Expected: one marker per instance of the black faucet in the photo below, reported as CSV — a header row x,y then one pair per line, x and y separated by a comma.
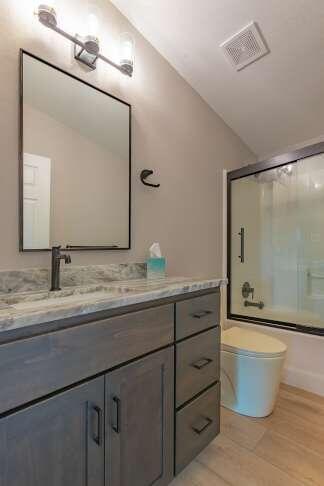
x,y
56,262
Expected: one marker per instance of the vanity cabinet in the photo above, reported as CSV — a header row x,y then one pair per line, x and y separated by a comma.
x,y
114,401
56,442
139,422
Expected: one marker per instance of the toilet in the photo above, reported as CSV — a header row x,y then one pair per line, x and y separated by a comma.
x,y
251,365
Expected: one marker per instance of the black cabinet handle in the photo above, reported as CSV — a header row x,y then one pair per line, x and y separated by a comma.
x,y
116,419
199,315
201,363
199,429
97,426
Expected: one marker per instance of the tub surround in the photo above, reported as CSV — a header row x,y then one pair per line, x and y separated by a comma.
x,y
21,312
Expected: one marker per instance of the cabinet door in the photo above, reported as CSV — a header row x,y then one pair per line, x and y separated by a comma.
x,y
139,425
57,442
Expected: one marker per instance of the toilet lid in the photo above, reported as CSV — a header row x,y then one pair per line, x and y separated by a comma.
x,y
251,343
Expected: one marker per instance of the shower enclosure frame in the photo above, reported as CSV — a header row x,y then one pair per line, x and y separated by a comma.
x,y
252,169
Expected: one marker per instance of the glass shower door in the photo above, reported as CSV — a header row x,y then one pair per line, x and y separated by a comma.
x,y
264,224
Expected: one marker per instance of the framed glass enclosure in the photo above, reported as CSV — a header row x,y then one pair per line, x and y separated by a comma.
x,y
276,241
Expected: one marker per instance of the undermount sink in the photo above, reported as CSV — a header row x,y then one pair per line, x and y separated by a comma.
x,y
43,299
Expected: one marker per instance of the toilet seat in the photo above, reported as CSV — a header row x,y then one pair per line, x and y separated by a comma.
x,y
251,343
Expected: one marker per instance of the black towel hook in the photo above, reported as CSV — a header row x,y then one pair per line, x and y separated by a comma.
x,y
144,175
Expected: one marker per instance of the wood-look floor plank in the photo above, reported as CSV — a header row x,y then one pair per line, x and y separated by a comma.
x,y
302,393
297,429
197,474
241,467
302,407
296,460
241,429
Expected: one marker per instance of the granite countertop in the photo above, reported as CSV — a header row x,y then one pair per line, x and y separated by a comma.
x,y
27,309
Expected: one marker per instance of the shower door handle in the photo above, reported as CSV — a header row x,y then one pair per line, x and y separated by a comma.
x,y
242,238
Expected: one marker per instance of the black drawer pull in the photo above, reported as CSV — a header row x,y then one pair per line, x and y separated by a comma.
x,y
199,429
199,315
201,363
116,420
97,427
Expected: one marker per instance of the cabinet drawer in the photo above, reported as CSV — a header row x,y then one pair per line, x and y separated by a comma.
x,y
194,315
197,424
197,364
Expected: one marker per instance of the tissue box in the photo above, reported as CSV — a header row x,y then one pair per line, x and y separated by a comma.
x,y
156,268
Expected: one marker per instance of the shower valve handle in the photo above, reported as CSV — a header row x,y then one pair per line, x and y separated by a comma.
x,y
247,290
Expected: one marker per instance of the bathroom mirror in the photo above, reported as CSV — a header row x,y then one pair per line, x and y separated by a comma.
x,y
75,162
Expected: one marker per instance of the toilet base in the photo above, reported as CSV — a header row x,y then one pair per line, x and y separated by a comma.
x,y
249,385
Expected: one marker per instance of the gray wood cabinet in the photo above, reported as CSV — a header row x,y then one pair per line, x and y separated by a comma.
x,y
139,422
57,442
121,425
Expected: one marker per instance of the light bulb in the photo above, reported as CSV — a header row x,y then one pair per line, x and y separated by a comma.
x,y
127,53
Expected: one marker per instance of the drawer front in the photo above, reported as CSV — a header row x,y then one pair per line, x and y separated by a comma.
x,y
198,361
194,315
35,367
197,425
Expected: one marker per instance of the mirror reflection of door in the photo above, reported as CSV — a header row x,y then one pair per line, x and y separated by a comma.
x,y
37,201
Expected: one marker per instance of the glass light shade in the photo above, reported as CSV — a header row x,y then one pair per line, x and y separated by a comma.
x,y
47,13
127,53
93,25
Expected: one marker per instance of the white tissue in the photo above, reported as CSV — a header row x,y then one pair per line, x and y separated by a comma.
x,y
155,250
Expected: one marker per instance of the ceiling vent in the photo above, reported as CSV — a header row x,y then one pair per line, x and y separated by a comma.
x,y
245,47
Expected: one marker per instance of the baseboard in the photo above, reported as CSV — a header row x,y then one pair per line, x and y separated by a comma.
x,y
313,382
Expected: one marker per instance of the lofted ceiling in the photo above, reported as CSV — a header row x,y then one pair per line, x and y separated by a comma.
x,y
275,102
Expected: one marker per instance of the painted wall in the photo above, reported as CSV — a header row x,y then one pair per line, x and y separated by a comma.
x,y
174,132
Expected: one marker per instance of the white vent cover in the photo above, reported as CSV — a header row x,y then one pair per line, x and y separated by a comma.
x,y
245,47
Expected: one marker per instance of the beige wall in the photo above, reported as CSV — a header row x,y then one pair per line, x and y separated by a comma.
x,y
174,132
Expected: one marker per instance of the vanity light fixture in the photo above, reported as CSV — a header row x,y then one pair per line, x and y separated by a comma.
x,y
87,48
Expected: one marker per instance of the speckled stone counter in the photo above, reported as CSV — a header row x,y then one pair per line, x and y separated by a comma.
x,y
25,310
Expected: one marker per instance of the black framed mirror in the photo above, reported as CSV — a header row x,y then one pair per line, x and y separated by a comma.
x,y
75,162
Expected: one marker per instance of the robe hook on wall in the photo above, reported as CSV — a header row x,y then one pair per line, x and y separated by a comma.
x,y
144,175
